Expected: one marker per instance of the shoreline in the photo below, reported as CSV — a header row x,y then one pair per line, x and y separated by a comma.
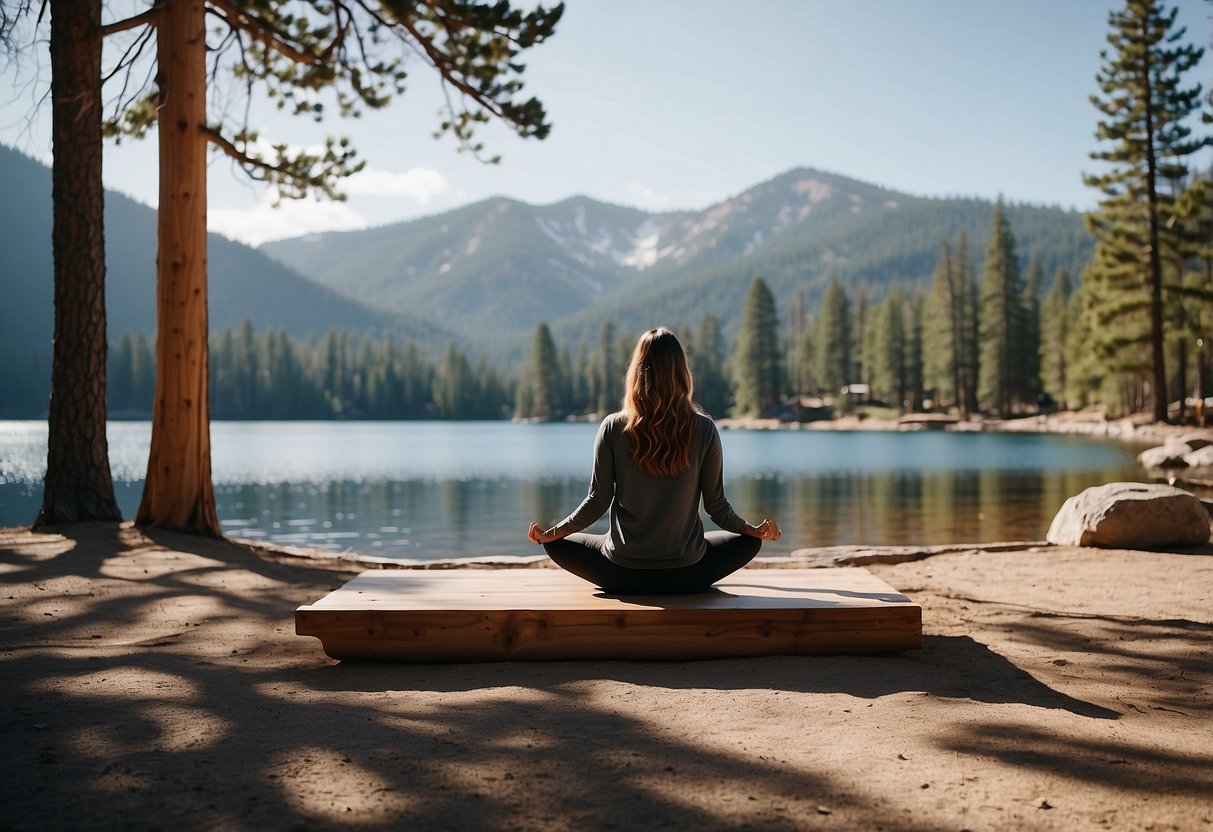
x,y
819,557
1137,429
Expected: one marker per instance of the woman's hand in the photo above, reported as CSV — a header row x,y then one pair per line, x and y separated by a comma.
x,y
538,535
766,530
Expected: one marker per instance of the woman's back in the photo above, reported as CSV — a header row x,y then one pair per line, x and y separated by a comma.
x,y
653,461
655,519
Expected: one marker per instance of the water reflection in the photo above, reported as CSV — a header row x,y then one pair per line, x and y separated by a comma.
x,y
423,519
458,518
437,490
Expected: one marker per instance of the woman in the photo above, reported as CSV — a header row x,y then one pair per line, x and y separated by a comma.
x,y
653,461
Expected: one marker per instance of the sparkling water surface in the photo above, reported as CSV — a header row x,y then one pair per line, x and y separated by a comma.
x,y
431,490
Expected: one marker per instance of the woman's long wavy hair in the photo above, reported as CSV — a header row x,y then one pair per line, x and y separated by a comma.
x,y
660,415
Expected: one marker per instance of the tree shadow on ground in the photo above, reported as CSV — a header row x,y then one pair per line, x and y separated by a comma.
x,y
1117,763
227,720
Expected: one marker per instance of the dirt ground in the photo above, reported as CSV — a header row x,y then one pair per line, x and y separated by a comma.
x,y
155,682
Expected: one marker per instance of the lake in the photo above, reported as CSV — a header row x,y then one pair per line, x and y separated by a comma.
x,y
431,490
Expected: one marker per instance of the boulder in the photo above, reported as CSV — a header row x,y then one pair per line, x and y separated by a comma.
x,y
1200,458
1164,456
1131,515
1196,440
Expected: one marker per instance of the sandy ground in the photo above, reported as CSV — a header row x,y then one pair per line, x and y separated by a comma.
x,y
156,682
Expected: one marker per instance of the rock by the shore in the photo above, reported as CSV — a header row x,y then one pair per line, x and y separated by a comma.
x,y
1202,457
1170,455
1196,440
1131,515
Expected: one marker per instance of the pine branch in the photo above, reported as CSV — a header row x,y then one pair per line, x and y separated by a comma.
x,y
294,177
144,19
263,31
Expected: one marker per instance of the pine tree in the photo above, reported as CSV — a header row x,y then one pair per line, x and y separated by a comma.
x,y
941,332
1026,361
1146,142
417,379
757,356
1054,328
808,360
143,374
121,369
950,336
797,319
1001,317
608,377
539,390
1085,371
1190,303
888,370
492,401
247,370
862,338
913,361
970,333
1195,210
707,367
455,387
78,485
833,339
335,366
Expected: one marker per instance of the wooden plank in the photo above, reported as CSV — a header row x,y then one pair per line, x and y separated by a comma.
x,y
493,615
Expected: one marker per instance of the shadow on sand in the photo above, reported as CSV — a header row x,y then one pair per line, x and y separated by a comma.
x,y
131,709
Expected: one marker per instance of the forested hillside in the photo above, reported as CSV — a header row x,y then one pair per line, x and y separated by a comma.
x,y
244,283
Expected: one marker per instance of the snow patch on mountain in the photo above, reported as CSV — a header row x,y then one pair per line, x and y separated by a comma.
x,y
644,249
551,230
755,241
632,248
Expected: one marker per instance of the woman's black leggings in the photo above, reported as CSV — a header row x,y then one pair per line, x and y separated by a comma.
x,y
582,554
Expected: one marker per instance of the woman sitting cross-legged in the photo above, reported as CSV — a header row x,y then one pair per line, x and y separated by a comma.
x,y
653,463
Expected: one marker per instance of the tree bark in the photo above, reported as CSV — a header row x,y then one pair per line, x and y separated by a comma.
x,y
78,485
178,493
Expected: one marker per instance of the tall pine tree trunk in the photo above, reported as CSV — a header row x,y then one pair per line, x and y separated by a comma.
x,y
78,484
178,493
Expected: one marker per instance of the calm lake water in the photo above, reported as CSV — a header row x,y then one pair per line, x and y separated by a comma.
x,y
430,490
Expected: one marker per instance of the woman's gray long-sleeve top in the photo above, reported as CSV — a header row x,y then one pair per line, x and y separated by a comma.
x,y
654,520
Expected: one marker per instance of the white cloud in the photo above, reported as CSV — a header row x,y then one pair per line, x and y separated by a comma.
x,y
293,218
419,184
646,197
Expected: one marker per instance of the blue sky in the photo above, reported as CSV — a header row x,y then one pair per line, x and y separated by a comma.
x,y
676,104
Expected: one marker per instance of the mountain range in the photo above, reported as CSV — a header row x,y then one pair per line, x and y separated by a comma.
x,y
486,274
493,270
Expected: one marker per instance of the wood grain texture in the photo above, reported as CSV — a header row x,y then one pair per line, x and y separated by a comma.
x,y
497,614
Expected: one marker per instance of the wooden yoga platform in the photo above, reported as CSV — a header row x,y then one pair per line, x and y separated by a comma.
x,y
536,614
